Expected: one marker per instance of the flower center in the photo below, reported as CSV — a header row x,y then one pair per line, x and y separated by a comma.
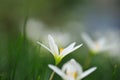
x,y
72,74
61,49
75,74
97,45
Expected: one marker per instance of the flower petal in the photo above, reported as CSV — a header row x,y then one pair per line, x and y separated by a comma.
x,y
58,71
77,66
109,47
73,66
101,42
69,50
84,74
88,40
52,45
44,47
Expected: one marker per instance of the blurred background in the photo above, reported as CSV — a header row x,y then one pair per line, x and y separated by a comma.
x,y
24,22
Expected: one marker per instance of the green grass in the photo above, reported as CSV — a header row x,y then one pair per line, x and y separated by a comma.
x,y
20,62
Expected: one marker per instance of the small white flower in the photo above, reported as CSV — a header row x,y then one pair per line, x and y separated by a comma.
x,y
61,38
71,70
96,46
59,53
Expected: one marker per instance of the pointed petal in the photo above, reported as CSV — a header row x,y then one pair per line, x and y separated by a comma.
x,y
44,47
87,40
84,74
53,45
69,50
58,71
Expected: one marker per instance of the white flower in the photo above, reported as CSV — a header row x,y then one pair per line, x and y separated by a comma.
x,y
34,29
59,53
71,70
37,30
96,46
62,38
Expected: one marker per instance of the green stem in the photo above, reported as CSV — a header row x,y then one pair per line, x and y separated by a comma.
x,y
52,75
15,67
24,32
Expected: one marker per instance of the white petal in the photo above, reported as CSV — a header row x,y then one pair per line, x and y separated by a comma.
x,y
58,71
76,65
45,47
70,47
66,66
87,40
52,44
72,65
69,50
84,74
101,42
109,47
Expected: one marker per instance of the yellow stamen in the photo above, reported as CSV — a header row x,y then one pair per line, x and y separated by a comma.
x,y
61,49
72,74
75,75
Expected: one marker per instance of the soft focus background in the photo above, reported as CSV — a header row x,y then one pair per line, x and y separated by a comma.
x,y
24,22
